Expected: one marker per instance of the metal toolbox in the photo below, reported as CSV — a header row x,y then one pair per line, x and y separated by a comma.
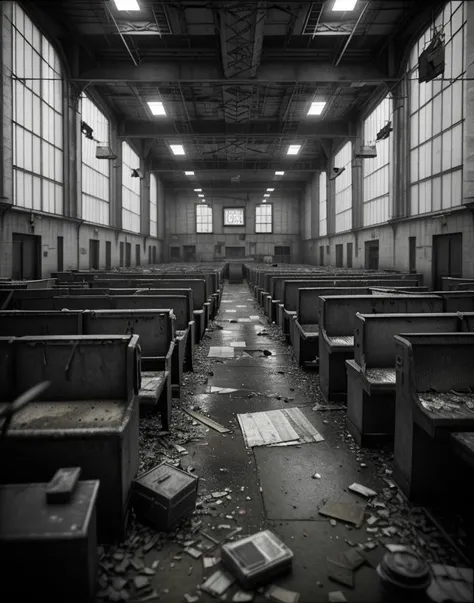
x,y
164,496
48,550
257,559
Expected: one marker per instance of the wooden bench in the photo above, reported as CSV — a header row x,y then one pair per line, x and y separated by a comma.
x,y
371,373
434,399
304,328
336,331
88,417
161,305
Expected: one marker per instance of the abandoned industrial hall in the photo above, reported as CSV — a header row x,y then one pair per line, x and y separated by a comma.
x,y
237,301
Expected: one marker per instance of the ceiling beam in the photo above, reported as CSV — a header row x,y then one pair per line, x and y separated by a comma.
x,y
244,186
221,129
270,71
237,166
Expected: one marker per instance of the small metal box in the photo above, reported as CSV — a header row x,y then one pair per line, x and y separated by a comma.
x,y
257,559
164,496
48,551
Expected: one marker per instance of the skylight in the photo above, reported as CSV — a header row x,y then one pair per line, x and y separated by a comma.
x,y
177,149
266,195
156,107
293,149
200,195
198,190
317,107
126,4
344,5
279,173
270,190
189,173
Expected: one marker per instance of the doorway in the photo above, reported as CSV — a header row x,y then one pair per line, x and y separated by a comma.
x,y
372,255
321,255
349,254
282,254
137,255
447,258
60,249
189,253
175,253
108,254
94,254
339,256
412,254
128,255
235,252
26,260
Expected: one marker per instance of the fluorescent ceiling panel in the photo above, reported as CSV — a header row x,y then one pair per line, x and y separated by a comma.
x,y
317,107
200,195
293,149
279,173
198,190
266,195
189,173
126,4
344,5
270,190
156,108
177,149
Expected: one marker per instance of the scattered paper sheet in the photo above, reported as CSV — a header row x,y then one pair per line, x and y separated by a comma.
x,y
238,344
362,490
221,352
287,426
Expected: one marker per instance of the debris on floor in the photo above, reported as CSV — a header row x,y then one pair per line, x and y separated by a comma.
x,y
362,490
218,583
282,595
352,513
207,421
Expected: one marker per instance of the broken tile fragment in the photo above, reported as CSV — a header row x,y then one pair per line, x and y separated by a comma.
x,y
194,553
362,490
140,582
243,596
340,574
281,595
336,596
191,598
218,583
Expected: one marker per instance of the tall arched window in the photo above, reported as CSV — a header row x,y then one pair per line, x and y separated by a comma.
x,y
437,119
130,189
376,198
95,172
343,199
37,118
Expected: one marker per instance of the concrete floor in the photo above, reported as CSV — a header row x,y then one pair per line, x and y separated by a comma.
x,y
273,487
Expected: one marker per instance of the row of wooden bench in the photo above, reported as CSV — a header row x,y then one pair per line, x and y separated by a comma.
x,y
106,352
402,361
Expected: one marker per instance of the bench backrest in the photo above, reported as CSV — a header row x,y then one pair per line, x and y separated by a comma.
x,y
188,293
308,307
198,287
19,323
337,317
435,362
155,329
397,290
374,343
79,367
450,283
177,303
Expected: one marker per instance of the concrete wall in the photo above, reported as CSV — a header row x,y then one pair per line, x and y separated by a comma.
x,y
76,236
394,244
181,227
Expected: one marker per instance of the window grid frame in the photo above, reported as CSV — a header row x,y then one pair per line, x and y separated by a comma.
x,y
153,206
50,105
417,106
204,219
262,221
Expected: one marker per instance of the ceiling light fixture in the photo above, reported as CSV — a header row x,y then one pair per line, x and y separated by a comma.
x,y
344,5
266,195
264,200
200,195
279,173
293,149
317,107
156,107
203,200
189,173
270,190
126,4
198,190
177,149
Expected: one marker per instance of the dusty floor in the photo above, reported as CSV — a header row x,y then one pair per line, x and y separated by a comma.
x,y
266,487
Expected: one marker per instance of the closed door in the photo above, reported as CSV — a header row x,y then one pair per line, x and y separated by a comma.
x,y
189,253
137,255
339,256
447,258
128,255
60,249
321,255
372,255
175,253
26,260
412,254
235,252
108,254
122,253
94,254
282,254
349,254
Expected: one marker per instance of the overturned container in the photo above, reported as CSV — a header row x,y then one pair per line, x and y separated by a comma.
x,y
257,559
164,496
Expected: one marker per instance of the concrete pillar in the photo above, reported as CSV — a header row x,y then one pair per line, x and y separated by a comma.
x,y
72,153
315,208
331,199
468,188
400,163
357,179
144,199
116,181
